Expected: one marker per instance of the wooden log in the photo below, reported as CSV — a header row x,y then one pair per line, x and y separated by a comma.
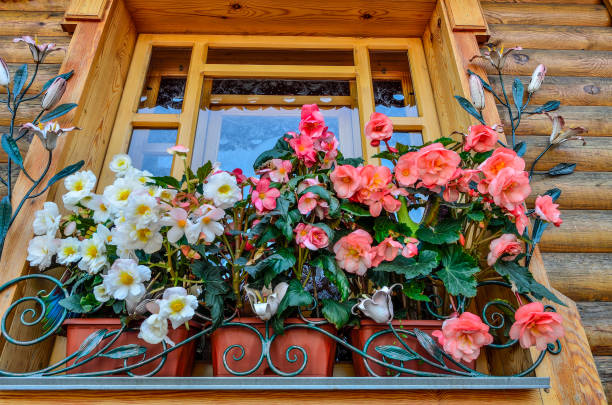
x,y
595,119
591,91
43,23
595,156
558,63
33,5
100,57
598,326
28,110
594,15
552,37
20,53
580,190
582,231
604,367
581,276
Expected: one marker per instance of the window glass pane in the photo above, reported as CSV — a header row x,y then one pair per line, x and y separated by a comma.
x,y
148,150
164,86
240,119
392,84
280,57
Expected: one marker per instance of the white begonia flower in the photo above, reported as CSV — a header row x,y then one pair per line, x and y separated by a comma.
x,y
141,209
177,306
93,255
104,234
100,293
265,302
120,164
140,176
222,188
154,330
125,279
69,251
47,220
41,250
119,192
132,236
208,222
79,186
100,206
177,219
379,308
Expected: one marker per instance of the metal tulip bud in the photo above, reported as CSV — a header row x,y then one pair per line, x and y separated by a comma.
x,y
265,302
54,93
477,92
5,76
536,79
379,308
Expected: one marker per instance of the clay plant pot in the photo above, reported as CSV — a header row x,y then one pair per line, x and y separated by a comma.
x,y
359,337
320,349
179,362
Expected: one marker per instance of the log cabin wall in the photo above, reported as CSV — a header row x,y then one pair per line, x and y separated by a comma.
x,y
573,38
41,18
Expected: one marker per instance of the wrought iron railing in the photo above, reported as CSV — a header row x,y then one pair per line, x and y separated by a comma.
x,y
102,342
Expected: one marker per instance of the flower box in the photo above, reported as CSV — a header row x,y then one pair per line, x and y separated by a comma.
x,y
179,362
242,349
360,336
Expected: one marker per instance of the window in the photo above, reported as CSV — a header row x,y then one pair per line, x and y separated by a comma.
x,y
229,98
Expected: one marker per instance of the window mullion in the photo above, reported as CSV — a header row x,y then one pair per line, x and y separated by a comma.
x,y
365,97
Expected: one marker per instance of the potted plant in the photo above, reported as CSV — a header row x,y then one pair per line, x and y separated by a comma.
x,y
134,259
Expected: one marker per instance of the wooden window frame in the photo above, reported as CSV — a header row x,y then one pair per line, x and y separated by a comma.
x,y
186,121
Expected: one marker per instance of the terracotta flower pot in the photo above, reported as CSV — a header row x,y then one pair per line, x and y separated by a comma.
x,y
320,349
359,337
179,362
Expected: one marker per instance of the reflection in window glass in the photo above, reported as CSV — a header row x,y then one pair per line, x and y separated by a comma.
x,y
241,118
280,57
164,86
392,84
405,138
236,136
148,150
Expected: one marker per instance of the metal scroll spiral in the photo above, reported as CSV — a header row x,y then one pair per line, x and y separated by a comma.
x,y
414,352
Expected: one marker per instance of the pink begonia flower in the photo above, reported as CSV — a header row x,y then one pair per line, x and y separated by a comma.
x,y
178,150
535,327
280,170
379,128
481,138
520,218
377,190
547,210
353,252
507,245
312,123
500,159
240,177
436,165
308,183
346,180
510,188
462,336
387,250
310,237
411,249
39,51
459,183
309,202
264,197
304,149
406,170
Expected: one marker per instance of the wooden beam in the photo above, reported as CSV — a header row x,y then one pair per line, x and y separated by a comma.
x,y
365,94
99,55
86,10
466,15
279,71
